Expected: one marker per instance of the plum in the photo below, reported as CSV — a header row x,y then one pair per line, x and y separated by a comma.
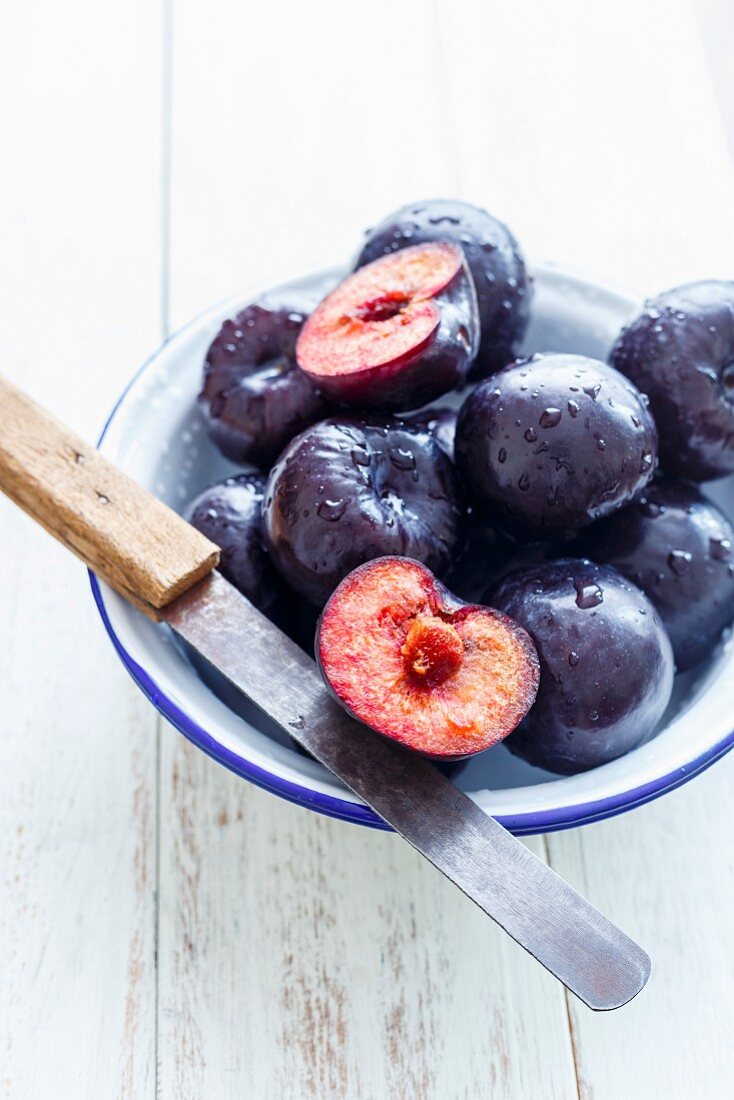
x,y
679,549
554,442
440,421
397,333
407,658
253,396
680,352
606,663
482,552
504,290
485,554
230,514
348,490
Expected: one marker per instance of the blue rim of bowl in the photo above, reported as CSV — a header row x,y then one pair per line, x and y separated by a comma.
x,y
526,824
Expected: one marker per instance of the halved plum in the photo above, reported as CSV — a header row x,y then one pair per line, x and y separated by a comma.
x,y
397,333
504,288
406,657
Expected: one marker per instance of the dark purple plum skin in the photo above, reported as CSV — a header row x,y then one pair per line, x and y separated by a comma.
x,y
230,514
426,372
606,663
504,289
254,398
678,548
348,490
680,352
554,442
481,555
486,554
440,422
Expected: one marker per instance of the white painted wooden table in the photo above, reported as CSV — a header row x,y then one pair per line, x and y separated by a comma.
x,y
166,929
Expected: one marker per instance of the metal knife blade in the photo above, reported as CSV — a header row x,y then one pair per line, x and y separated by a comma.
x,y
546,916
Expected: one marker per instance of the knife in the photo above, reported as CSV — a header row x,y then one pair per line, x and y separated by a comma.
x,y
167,569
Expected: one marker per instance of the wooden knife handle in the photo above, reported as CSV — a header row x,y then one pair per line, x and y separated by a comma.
x,y
143,549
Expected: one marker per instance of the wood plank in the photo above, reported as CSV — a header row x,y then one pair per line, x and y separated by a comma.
x,y
665,873
717,33
282,161
619,166
600,141
302,957
79,301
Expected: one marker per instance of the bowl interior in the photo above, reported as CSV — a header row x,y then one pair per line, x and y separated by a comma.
x,y
157,436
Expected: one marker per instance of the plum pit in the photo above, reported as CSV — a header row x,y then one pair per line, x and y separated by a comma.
x,y
382,308
433,650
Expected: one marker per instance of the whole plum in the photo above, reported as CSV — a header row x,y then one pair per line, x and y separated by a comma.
x,y
504,289
230,514
606,664
679,549
254,397
552,443
348,490
680,352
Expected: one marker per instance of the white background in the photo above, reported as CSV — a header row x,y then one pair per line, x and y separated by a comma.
x,y
166,929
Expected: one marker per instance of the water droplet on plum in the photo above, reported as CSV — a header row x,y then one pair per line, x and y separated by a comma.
x,y
650,508
720,548
550,418
588,595
402,458
680,562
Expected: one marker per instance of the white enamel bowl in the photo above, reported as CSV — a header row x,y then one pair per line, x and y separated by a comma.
x,y
155,434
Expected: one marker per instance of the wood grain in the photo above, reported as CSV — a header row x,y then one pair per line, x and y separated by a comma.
x,y
301,957
79,309
142,548
600,154
666,873
77,856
